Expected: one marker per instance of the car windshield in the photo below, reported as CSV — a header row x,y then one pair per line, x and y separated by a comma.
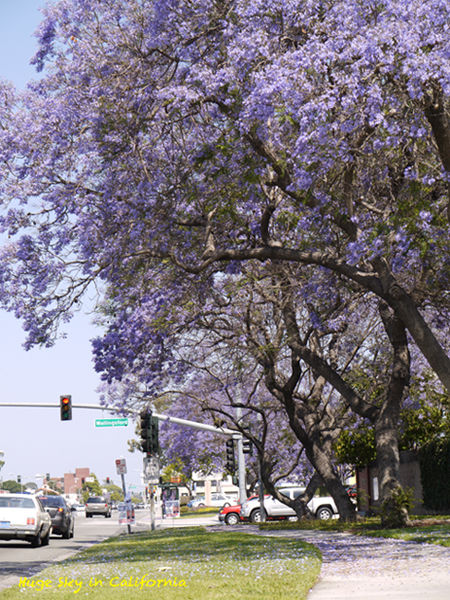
x,y
16,503
51,500
96,501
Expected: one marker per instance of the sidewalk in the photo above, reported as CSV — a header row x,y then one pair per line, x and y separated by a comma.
x,y
365,568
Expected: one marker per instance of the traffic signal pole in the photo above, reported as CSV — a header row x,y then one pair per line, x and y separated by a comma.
x,y
220,430
240,457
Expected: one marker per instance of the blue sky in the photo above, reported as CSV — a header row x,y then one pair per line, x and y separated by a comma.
x,y
34,440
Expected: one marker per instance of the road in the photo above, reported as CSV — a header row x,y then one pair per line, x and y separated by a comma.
x,y
19,559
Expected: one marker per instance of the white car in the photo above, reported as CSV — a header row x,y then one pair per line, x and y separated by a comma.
x,y
23,517
323,507
219,500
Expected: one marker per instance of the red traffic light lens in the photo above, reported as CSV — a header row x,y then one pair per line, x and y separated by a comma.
x,y
65,400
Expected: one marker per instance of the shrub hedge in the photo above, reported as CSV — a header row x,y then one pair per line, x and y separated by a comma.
x,y
434,457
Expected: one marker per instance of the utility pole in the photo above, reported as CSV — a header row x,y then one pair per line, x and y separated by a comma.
x,y
240,457
124,495
152,507
262,510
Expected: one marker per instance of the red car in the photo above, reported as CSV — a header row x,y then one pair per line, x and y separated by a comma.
x,y
230,514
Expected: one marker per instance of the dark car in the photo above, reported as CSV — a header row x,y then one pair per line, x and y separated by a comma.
x,y
96,505
63,520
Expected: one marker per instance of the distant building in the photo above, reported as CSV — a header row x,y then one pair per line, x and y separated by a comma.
x,y
73,481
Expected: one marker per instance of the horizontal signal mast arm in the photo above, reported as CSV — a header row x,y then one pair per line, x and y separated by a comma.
x,y
193,424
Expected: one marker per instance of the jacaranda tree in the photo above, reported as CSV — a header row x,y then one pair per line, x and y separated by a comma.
x,y
169,140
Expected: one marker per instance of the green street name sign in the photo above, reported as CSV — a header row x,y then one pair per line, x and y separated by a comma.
x,y
111,422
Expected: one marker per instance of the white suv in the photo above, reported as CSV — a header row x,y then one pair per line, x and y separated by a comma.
x,y
323,507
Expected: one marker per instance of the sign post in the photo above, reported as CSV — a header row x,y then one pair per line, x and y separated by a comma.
x,y
151,478
121,468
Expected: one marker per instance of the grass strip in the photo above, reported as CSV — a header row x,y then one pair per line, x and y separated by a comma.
x,y
422,532
174,564
199,512
432,534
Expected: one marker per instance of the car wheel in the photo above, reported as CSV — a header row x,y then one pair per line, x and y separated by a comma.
x,y
46,540
72,531
324,513
201,505
255,517
36,541
88,515
66,534
232,519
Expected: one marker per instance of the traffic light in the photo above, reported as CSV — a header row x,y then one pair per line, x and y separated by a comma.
x,y
19,479
83,480
107,481
247,447
65,405
231,463
146,419
153,440
149,432
47,477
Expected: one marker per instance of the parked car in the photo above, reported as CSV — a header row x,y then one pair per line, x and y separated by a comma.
x,y
23,517
230,514
323,507
63,520
97,505
217,499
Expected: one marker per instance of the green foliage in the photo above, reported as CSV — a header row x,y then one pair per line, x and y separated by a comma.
x,y
437,533
12,486
356,447
434,460
115,492
423,424
394,511
91,488
176,469
433,534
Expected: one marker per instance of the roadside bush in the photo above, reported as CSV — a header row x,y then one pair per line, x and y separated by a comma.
x,y
434,460
395,510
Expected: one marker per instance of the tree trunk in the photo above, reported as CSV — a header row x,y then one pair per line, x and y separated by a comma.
x,y
386,423
393,515
331,480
